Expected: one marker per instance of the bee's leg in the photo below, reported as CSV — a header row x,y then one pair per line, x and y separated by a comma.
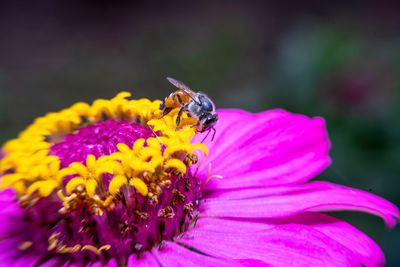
x,y
178,118
165,111
215,131
206,136
162,105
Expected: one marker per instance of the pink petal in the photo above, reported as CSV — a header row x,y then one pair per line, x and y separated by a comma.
x,y
172,254
251,193
366,250
232,225
284,245
227,118
146,260
269,148
323,196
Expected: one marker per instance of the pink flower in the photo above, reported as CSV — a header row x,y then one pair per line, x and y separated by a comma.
x,y
264,211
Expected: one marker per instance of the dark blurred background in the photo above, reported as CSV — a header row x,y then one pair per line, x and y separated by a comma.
x,y
339,60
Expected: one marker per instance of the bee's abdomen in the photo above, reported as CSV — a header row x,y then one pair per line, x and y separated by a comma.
x,y
176,99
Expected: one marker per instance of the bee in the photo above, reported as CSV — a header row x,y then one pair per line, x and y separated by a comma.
x,y
197,105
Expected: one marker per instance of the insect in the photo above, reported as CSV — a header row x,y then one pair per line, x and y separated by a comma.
x,y
196,105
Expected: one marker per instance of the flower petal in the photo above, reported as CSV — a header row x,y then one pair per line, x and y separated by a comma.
x,y
232,225
284,245
366,250
227,118
172,254
319,196
251,193
269,148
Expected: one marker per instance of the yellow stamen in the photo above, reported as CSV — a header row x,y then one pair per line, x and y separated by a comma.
x,y
91,187
45,187
116,183
73,183
211,176
139,185
176,163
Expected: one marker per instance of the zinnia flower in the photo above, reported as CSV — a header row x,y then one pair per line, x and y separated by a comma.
x,y
113,184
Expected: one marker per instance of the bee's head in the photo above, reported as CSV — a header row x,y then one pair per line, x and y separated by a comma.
x,y
208,121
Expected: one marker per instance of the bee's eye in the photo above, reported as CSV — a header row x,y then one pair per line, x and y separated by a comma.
x,y
205,103
210,120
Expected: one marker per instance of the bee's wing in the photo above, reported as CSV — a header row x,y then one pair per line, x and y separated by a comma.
x,y
183,87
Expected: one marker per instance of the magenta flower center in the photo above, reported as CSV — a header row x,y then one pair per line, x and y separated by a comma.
x,y
98,139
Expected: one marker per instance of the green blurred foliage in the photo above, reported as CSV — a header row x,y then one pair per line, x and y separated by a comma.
x,y
337,60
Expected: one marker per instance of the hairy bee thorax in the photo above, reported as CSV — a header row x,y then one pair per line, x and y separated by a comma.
x,y
111,177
